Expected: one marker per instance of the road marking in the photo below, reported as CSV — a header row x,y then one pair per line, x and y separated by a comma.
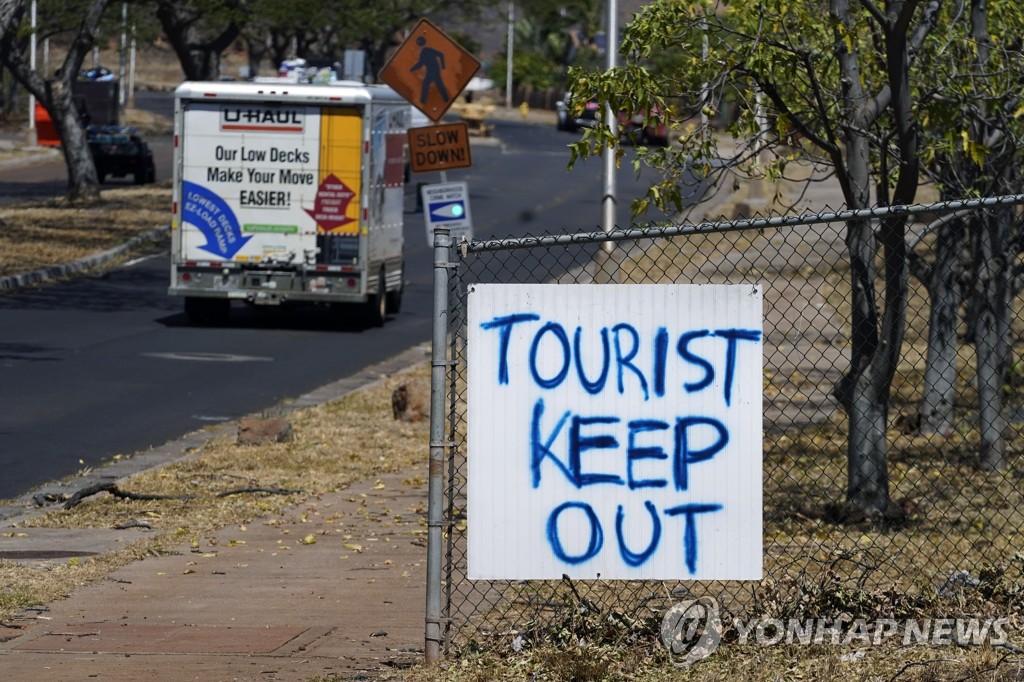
x,y
142,259
209,357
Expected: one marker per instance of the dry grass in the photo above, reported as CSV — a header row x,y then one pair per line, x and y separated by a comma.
x,y
41,234
750,663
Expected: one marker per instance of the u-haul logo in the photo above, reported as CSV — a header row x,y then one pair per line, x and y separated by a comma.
x,y
261,119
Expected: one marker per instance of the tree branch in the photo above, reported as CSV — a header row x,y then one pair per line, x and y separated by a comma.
x,y
258,489
116,491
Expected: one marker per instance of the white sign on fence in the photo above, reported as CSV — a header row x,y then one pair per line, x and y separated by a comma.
x,y
614,431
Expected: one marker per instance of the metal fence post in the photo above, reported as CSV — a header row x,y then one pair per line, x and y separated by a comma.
x,y
435,510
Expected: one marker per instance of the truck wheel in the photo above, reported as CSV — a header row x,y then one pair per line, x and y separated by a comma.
x,y
394,298
377,306
207,312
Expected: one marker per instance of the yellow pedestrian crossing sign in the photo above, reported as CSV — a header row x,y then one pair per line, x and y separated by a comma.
x,y
429,69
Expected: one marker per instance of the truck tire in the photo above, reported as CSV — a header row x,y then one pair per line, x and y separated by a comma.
x,y
377,305
394,298
207,312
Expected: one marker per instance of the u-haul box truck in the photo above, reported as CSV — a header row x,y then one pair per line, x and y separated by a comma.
x,y
287,193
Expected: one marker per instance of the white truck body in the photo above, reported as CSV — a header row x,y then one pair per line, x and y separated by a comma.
x,y
287,192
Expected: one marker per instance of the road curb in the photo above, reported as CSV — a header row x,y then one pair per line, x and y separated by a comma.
x,y
83,264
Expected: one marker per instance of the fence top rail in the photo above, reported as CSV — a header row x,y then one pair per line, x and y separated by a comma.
x,y
654,231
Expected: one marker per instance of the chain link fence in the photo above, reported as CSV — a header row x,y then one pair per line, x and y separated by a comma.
x,y
957,520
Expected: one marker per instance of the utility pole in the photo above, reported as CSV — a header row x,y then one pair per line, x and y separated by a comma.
x,y
33,132
131,72
122,58
508,54
609,201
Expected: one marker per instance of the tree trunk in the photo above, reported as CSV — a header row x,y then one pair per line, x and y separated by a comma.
x,y
83,183
990,288
875,349
940,373
867,492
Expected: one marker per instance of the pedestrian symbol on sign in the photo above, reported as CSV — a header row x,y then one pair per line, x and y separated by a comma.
x,y
432,63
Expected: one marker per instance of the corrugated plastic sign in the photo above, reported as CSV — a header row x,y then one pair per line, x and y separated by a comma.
x,y
614,432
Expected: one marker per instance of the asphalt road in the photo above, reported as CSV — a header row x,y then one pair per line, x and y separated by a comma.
x,y
108,365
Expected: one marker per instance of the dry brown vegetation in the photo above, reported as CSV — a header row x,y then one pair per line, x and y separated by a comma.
x,y
36,235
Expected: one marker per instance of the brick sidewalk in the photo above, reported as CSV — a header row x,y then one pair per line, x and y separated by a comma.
x,y
256,604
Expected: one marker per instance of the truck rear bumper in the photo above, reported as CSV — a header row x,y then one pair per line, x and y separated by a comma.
x,y
267,287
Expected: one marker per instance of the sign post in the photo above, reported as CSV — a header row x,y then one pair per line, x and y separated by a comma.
x,y
429,69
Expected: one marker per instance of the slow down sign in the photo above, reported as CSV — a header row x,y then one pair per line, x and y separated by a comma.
x,y
439,147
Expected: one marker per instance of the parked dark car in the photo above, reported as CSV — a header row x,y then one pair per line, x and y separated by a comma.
x,y
119,151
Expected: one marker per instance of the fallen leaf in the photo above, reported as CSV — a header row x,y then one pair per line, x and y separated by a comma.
x,y
308,540
354,546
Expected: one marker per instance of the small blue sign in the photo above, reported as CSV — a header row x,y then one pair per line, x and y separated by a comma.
x,y
446,211
446,205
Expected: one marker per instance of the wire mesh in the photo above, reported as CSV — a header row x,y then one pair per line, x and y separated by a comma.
x,y
956,397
